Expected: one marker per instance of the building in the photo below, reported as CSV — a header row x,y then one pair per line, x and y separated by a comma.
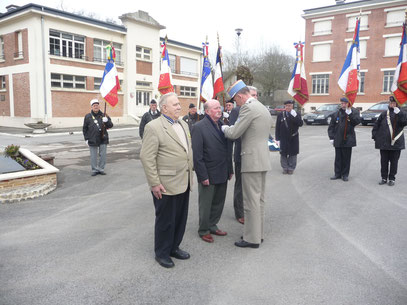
x,y
52,63
328,35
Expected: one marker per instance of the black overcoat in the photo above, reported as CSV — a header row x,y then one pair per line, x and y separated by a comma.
x,y
287,134
381,131
94,130
342,128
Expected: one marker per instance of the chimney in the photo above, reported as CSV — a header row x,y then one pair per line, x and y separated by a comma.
x,y
11,7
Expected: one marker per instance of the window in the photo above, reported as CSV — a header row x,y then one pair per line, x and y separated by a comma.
x,y
362,83
188,66
66,45
2,57
2,82
323,27
320,84
96,83
364,25
143,84
321,52
143,53
188,91
392,45
68,81
362,47
143,97
387,81
19,45
395,18
172,62
100,51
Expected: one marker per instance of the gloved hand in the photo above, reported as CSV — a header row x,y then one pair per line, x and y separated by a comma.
x,y
105,119
87,142
396,110
224,127
332,142
293,113
278,143
226,115
348,111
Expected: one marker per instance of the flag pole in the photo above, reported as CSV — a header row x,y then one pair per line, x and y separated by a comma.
x,y
220,64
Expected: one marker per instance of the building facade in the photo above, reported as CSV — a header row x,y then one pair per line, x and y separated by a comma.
x,y
328,35
52,63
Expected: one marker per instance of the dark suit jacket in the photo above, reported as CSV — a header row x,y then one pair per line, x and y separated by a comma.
x,y
212,153
234,114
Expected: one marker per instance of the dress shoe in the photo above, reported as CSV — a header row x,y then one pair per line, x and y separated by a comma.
x,y
345,178
290,172
165,262
241,220
285,172
219,233
335,177
102,173
383,181
180,254
391,182
208,238
94,174
244,244
241,237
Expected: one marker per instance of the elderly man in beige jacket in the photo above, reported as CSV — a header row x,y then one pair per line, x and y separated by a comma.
x,y
166,155
253,126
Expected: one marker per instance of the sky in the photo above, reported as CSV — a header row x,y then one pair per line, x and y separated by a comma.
x,y
265,23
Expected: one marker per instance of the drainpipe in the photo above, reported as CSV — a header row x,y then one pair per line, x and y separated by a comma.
x,y
44,69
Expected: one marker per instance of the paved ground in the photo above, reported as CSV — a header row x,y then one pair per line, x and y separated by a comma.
x,y
91,240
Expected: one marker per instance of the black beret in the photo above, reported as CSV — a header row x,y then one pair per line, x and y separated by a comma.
x,y
391,99
289,102
191,106
344,100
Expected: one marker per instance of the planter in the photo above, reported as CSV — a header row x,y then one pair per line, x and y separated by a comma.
x,y
28,184
38,127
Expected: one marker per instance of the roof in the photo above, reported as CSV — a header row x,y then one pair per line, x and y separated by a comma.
x,y
59,13
181,44
351,5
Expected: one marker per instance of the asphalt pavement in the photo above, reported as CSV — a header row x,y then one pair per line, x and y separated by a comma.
x,y
91,240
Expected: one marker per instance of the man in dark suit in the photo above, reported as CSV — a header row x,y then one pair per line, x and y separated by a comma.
x,y
212,155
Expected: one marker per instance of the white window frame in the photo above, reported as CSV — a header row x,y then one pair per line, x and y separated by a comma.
x,y
388,77
2,57
396,38
188,91
185,71
173,62
96,83
364,21
100,45
68,44
395,11
327,20
63,80
319,44
3,85
320,79
362,46
143,97
362,82
144,53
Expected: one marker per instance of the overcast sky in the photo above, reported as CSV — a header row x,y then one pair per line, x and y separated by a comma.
x,y
264,22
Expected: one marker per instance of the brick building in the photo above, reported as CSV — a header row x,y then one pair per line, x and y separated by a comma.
x,y
328,35
52,62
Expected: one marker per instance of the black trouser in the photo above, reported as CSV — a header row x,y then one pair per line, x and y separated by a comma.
x,y
238,193
387,156
342,161
171,214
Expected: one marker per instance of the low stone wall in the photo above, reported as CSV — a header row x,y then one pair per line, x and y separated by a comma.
x,y
28,184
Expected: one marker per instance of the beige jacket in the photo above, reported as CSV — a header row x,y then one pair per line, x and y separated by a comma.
x,y
164,158
253,126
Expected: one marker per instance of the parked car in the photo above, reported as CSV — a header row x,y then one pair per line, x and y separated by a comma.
x,y
322,115
276,110
370,116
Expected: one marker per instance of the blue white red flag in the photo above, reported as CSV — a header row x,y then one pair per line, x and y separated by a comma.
x,y
218,86
110,84
298,84
399,87
206,81
349,78
165,82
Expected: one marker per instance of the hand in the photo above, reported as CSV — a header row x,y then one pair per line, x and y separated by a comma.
x,y
226,115
396,110
348,111
278,143
230,176
293,113
87,142
224,127
205,182
332,142
105,119
158,190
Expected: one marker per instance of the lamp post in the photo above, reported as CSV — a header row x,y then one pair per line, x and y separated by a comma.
x,y
238,32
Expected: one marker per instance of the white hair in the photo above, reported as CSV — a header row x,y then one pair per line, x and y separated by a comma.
x,y
164,98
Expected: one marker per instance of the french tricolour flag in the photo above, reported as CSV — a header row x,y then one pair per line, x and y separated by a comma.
x,y
206,81
165,82
399,87
349,78
218,86
298,84
110,83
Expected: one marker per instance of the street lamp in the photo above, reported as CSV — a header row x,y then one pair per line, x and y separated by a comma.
x,y
238,32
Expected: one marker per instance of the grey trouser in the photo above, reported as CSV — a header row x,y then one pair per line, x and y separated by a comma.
x,y
95,152
211,202
288,162
254,185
